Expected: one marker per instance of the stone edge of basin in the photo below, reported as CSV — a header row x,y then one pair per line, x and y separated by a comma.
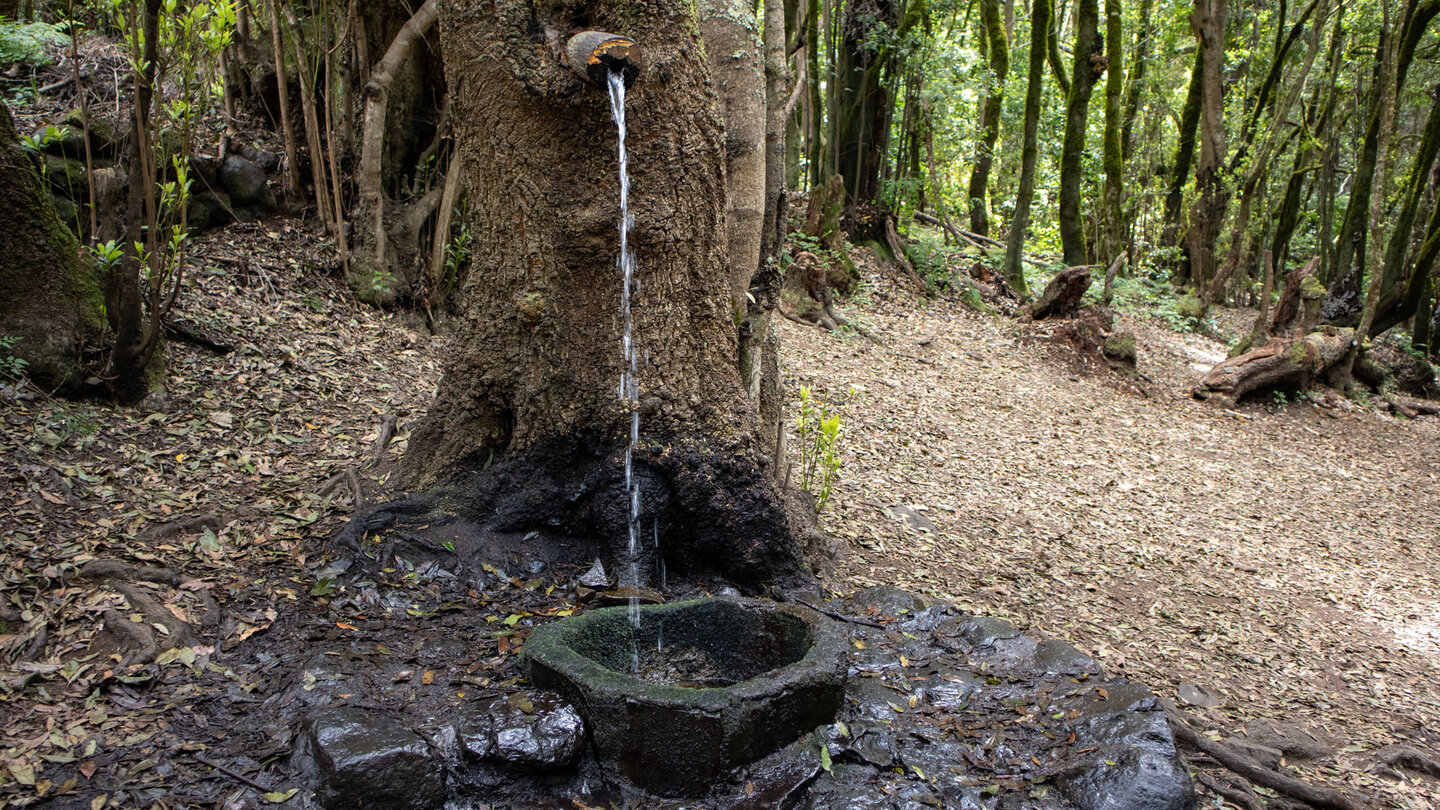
x,y
726,726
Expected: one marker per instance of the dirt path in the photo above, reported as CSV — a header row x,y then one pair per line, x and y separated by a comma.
x,y
1286,562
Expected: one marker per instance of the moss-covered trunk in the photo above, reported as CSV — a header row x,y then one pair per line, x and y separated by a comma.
x,y
1040,11
996,47
1089,63
50,299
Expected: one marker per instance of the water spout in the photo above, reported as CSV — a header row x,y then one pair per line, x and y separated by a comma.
x,y
594,55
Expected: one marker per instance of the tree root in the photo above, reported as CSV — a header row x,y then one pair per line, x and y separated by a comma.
x,y
1243,765
122,577
1239,795
174,528
1403,756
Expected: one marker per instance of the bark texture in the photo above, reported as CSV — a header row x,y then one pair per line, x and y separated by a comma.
x,y
532,378
49,298
1278,365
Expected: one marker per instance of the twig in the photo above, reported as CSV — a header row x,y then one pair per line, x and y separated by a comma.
x,y
1256,773
239,777
840,617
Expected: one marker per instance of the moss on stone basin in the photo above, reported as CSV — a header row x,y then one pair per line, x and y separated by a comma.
x,y
721,682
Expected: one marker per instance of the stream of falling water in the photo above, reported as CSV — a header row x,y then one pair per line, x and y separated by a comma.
x,y
629,386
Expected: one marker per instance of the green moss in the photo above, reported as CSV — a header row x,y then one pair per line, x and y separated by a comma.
x,y
1311,289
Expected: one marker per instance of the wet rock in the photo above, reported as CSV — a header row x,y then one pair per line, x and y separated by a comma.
x,y
365,759
67,176
595,577
777,781
529,730
1130,779
244,181
885,600
1056,657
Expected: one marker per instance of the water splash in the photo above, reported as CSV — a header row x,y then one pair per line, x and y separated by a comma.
x,y
629,384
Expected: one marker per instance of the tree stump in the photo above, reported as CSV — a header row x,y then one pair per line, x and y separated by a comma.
x,y
1061,298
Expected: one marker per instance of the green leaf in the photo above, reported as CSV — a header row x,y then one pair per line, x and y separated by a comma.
x,y
825,757
280,796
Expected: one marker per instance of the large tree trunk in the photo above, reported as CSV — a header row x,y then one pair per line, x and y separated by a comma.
x,y
49,298
532,378
1208,212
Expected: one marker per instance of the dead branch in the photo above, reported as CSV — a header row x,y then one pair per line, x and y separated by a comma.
x,y
1110,276
1256,773
345,476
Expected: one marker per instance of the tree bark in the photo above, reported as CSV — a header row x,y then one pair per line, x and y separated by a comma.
x,y
997,45
1089,63
1113,243
374,270
49,298
1015,243
1208,212
1183,161
531,380
1293,364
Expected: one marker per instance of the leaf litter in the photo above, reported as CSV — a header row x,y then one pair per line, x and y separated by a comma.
x,y
1282,562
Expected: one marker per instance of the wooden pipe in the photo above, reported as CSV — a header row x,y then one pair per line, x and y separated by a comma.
x,y
594,55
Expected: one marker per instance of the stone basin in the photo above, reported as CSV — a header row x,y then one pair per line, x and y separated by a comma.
x,y
720,682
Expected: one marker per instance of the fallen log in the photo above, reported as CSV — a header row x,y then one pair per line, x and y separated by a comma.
x,y
1280,364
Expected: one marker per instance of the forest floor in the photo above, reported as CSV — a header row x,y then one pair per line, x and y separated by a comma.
x,y
1284,561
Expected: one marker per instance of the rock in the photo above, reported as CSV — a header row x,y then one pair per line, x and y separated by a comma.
x,y
779,780
244,181
595,577
69,213
1290,739
530,730
365,759
1197,695
207,210
66,176
267,161
1130,779
913,519
886,600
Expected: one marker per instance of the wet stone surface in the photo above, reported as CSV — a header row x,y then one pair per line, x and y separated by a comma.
x,y
941,709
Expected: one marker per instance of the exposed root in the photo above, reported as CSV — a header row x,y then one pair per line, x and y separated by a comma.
x,y
1403,756
184,524
1239,795
124,578
1243,765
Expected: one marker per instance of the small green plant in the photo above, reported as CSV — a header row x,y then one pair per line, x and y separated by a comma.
x,y
10,365
818,431
1278,401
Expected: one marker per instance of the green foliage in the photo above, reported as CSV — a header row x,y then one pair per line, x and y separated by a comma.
x,y
26,44
10,365
1149,295
818,430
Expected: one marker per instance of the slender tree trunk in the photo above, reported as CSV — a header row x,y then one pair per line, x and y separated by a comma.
x,y
732,41
1390,83
1089,63
1395,280
1035,78
1183,161
282,88
1114,157
1344,304
1135,85
997,46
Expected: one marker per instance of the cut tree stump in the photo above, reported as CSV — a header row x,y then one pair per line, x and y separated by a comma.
x,y
1061,298
1280,364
